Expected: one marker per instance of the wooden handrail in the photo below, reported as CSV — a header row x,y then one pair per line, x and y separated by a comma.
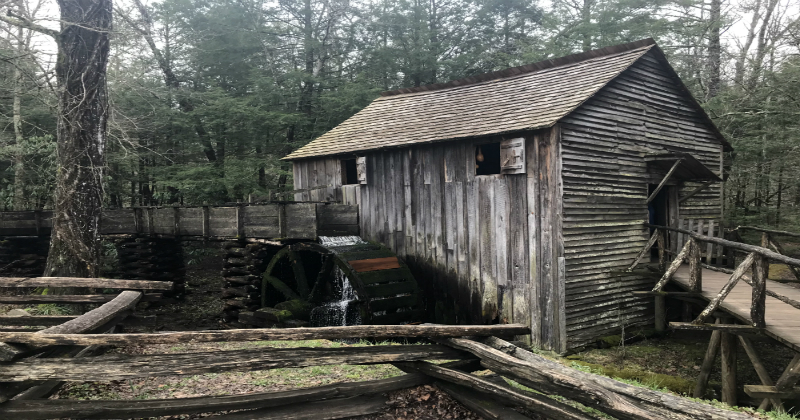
x,y
770,231
735,245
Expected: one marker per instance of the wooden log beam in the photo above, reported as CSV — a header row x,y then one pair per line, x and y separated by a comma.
x,y
485,405
339,408
673,267
104,409
119,366
644,250
270,334
664,181
735,245
761,371
540,404
667,294
771,392
50,320
731,328
708,364
770,231
618,399
97,283
758,304
695,270
70,299
695,191
732,280
727,346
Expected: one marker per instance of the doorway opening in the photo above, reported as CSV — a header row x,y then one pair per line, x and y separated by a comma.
x,y
661,211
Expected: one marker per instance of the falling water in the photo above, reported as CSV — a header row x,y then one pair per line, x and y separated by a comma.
x,y
340,311
340,240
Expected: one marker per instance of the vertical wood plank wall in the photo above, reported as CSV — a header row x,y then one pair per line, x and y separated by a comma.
x,y
314,173
470,237
605,190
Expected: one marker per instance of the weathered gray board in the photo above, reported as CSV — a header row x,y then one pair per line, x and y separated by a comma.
x,y
268,221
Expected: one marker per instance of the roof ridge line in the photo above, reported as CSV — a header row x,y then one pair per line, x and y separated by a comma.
x,y
527,68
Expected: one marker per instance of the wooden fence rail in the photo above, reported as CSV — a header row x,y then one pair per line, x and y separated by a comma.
x,y
546,377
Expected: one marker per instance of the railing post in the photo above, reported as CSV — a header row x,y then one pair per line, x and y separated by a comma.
x,y
695,269
757,308
765,240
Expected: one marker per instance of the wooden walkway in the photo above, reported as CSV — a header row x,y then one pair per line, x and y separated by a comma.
x,y
783,320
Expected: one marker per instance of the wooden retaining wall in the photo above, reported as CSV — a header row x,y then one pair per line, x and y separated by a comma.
x,y
270,221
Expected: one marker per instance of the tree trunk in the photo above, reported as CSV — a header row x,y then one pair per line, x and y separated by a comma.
x,y
83,48
19,161
714,49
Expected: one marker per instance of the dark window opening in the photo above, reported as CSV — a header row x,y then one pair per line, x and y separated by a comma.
x,y
349,172
487,159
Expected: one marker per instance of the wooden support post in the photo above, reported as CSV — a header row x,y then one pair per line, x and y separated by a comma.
x,y
734,278
661,314
664,181
644,251
695,270
662,250
765,240
761,371
708,364
728,353
758,306
788,379
673,267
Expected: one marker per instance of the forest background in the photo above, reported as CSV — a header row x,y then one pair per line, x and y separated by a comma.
x,y
207,95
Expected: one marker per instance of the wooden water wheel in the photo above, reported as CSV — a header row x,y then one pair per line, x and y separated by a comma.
x,y
386,291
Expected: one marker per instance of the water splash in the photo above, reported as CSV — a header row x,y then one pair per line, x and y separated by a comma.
x,y
343,309
341,240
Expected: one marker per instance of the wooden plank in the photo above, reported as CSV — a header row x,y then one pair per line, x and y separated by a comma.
x,y
483,404
612,397
540,404
54,337
101,283
222,222
728,356
766,391
533,214
761,371
708,364
37,299
301,220
408,209
375,264
262,221
103,409
505,300
120,367
518,250
437,199
486,216
734,278
338,408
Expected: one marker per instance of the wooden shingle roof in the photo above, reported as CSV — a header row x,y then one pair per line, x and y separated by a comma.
x,y
529,97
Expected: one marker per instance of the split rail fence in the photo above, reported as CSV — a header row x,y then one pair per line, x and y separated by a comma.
x,y
724,334
34,364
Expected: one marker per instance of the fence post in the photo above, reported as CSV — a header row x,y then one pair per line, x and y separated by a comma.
x,y
758,307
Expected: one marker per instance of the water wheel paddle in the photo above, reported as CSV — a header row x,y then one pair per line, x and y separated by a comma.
x,y
385,289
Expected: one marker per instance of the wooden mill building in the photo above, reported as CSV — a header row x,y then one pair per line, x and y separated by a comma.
x,y
520,195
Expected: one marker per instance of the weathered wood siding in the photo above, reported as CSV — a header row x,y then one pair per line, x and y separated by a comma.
x,y
473,239
316,173
605,190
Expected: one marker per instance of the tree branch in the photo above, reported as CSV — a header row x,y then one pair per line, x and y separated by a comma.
x,y
16,20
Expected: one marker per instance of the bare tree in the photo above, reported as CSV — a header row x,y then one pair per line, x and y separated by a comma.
x,y
83,48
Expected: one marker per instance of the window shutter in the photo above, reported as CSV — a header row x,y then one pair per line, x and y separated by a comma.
x,y
361,168
512,156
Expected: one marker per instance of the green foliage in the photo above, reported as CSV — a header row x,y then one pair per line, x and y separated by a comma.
x,y
234,86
